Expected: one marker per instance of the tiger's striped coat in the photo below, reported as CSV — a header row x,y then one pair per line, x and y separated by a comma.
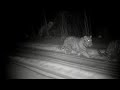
x,y
78,45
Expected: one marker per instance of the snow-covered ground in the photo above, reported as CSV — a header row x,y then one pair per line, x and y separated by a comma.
x,y
53,70
50,62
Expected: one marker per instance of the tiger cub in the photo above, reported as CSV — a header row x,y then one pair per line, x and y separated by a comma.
x,y
77,45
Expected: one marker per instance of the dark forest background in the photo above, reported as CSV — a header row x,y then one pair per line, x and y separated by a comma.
x,y
30,20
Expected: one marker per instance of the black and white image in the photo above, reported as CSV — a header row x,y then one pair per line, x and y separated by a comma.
x,y
63,43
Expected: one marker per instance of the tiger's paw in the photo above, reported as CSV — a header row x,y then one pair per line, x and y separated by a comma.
x,y
78,54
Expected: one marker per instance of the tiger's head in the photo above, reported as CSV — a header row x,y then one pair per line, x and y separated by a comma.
x,y
87,41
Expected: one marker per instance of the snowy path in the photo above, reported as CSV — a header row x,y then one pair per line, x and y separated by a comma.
x,y
43,59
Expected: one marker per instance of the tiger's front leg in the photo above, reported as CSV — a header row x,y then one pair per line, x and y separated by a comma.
x,y
86,54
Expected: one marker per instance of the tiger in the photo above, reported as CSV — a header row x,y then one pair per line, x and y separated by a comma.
x,y
113,50
77,45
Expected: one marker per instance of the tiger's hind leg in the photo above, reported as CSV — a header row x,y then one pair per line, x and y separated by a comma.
x,y
68,49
